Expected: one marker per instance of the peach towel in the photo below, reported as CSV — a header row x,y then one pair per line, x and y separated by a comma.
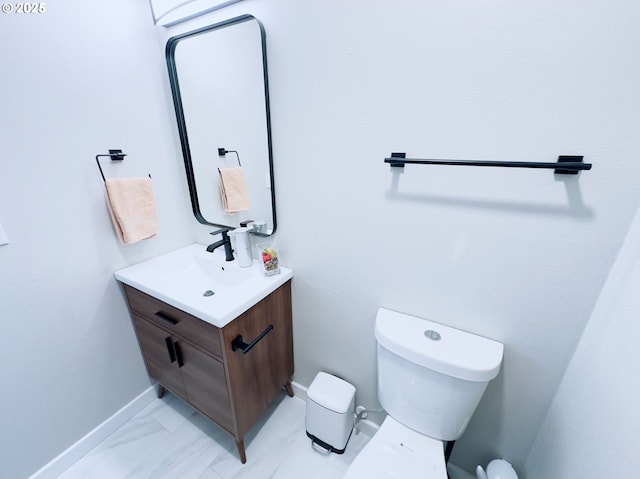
x,y
132,207
233,190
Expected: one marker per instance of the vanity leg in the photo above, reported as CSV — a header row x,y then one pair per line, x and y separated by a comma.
x,y
289,389
240,446
161,390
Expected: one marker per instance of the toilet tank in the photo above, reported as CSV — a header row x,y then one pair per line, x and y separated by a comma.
x,y
431,377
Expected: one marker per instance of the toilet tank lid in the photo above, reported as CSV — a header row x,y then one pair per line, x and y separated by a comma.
x,y
456,353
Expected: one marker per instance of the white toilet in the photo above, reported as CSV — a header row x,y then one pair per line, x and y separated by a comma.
x,y
430,380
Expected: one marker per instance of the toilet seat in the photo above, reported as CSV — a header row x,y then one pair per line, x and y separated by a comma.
x,y
395,451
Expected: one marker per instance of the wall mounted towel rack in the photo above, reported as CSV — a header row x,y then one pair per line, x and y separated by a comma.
x,y
115,155
566,165
224,151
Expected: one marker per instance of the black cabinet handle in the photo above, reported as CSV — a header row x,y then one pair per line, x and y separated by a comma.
x,y
238,343
172,353
176,348
166,319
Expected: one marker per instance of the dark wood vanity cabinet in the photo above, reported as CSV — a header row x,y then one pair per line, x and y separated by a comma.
x,y
230,374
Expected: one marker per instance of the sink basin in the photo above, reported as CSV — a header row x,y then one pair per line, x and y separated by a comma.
x,y
203,284
225,274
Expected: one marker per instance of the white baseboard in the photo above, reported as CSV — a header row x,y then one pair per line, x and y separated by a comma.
x,y
72,454
299,390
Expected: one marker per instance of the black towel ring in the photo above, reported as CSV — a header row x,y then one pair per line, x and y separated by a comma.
x,y
115,155
224,151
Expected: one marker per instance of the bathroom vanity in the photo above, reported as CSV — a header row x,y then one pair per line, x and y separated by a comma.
x,y
221,342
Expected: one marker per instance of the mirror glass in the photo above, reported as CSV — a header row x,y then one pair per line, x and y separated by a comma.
x,y
218,78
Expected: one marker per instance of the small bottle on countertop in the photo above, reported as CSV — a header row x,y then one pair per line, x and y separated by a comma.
x,y
243,246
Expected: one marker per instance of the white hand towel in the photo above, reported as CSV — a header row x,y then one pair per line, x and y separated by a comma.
x,y
132,207
233,190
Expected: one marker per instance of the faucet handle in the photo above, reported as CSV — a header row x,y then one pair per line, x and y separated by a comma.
x,y
224,232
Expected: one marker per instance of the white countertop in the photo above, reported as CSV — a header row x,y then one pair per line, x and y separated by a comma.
x,y
180,278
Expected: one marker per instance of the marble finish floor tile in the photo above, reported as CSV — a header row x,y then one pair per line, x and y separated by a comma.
x,y
187,453
121,452
170,411
168,440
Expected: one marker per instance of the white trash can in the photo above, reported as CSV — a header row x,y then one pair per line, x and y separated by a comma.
x,y
330,412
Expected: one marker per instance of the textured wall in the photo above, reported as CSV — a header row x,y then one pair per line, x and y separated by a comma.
x,y
592,427
515,255
76,81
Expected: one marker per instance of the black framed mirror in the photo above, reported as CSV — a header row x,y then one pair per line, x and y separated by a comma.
x,y
219,84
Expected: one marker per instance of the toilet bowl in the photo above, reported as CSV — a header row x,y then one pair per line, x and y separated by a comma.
x,y
397,451
431,378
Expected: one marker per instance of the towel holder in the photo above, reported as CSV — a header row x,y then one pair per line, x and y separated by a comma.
x,y
224,151
115,155
566,165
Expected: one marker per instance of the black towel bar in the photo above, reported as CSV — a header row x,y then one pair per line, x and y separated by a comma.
x,y
239,344
566,165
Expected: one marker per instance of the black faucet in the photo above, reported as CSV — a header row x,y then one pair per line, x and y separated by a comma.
x,y
225,241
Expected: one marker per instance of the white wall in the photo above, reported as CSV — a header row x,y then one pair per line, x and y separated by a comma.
x,y
76,81
592,427
515,255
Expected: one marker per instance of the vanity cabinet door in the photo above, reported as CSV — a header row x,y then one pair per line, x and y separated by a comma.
x,y
159,355
257,377
205,384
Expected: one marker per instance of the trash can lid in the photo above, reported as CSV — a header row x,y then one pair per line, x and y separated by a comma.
x,y
331,392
